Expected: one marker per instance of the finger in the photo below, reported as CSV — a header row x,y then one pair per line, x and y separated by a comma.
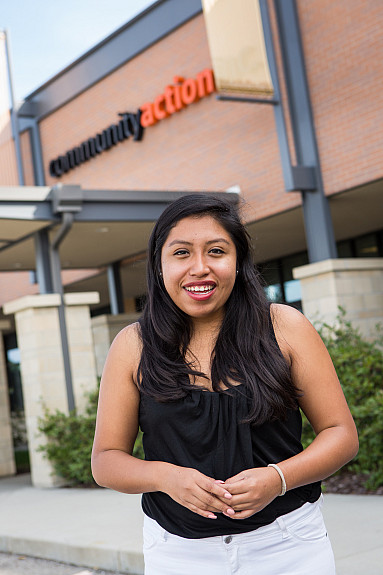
x,y
220,491
243,506
239,477
203,513
206,500
209,511
215,486
240,499
241,486
244,514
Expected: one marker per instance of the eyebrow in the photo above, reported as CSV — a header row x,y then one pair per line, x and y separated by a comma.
x,y
185,243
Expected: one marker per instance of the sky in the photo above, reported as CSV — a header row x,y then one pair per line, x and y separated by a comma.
x,y
45,36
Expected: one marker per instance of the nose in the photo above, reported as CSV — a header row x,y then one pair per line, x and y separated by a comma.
x,y
199,266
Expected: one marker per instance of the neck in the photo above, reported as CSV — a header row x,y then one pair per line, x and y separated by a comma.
x,y
205,333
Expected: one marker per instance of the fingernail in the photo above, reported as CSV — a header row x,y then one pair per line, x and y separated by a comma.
x,y
228,495
230,511
211,516
219,481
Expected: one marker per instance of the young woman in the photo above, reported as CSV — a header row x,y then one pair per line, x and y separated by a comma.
x,y
214,375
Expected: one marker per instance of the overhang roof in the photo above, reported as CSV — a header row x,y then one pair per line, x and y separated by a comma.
x,y
108,225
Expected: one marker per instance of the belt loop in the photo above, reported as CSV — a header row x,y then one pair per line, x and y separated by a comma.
x,y
283,527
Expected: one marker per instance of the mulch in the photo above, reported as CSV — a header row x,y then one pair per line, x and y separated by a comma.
x,y
349,483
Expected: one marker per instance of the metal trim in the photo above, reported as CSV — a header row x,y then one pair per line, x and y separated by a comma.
x,y
126,43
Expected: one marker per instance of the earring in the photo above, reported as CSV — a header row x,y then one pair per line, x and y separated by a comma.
x,y
237,272
161,274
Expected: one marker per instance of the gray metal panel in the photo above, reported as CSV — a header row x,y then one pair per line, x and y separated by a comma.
x,y
296,178
43,264
115,288
31,125
142,197
41,211
120,212
98,205
278,108
296,83
318,225
136,36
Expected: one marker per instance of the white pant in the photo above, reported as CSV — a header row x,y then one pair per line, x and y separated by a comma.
x,y
294,544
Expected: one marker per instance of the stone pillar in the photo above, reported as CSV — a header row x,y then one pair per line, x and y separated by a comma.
x,y
7,456
81,346
42,365
105,328
354,284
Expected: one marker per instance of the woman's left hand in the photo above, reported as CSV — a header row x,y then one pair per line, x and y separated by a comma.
x,y
252,490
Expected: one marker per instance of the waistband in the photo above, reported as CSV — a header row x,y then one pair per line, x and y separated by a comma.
x,y
282,523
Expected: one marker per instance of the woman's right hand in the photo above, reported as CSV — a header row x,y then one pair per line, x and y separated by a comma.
x,y
196,491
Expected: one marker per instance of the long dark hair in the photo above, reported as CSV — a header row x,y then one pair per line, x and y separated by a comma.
x,y
245,351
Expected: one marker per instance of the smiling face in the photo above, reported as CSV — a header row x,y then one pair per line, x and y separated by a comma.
x,y
198,263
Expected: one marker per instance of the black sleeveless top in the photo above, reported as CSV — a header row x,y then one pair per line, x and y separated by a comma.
x,y
204,430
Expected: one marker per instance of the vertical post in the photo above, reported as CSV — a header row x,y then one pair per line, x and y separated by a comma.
x,y
43,263
58,288
14,119
115,288
37,159
278,108
318,225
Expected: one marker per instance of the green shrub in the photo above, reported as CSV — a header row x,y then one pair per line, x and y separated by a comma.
x,y
69,440
359,365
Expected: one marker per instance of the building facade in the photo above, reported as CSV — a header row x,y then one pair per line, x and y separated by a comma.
x,y
140,113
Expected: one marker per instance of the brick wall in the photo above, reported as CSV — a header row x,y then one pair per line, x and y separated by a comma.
x,y
343,46
8,166
209,145
212,145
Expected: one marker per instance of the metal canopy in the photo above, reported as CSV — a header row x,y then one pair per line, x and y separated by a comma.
x,y
108,225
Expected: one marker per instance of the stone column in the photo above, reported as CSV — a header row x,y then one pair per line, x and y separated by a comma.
x,y
42,365
105,328
81,346
355,284
7,456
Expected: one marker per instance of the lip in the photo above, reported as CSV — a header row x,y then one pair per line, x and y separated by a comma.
x,y
200,283
200,296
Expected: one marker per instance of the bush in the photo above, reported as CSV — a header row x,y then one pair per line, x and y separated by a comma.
x,y
69,443
359,365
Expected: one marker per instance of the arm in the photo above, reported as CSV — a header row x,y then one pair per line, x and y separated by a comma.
x,y
325,407
114,466
323,402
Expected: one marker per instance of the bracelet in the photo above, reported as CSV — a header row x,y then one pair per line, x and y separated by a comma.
x,y
279,471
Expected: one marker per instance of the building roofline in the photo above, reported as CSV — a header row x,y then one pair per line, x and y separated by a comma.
x,y
134,37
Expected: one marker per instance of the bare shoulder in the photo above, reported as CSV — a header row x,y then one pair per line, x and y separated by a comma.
x,y
292,329
126,349
129,336
285,316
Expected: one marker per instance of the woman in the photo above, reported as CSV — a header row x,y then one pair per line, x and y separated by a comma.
x,y
215,375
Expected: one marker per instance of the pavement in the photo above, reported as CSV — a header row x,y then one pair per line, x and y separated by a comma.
x,y
102,529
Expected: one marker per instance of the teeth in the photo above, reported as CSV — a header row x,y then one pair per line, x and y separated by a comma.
x,y
203,289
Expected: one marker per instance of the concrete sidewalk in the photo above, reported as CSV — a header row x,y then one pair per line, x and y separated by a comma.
x,y
98,528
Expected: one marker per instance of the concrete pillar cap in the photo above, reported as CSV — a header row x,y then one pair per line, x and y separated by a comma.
x,y
50,300
337,265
